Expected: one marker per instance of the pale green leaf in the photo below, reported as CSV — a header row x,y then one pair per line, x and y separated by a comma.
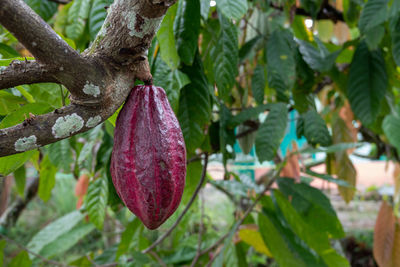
x,y
54,230
47,178
166,39
11,163
232,9
96,201
77,16
20,180
97,15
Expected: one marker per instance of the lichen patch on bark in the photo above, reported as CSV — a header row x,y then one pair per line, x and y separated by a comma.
x,y
25,143
91,89
65,126
93,121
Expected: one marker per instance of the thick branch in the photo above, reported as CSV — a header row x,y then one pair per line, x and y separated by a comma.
x,y
25,72
35,34
62,123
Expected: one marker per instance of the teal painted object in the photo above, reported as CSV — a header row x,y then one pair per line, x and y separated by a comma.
x,y
251,159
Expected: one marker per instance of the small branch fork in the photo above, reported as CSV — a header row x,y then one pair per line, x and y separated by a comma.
x,y
99,79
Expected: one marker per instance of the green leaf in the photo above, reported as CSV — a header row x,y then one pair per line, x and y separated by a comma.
x,y
328,178
47,178
316,240
315,129
193,118
186,28
43,8
20,180
7,51
346,171
21,260
232,9
248,114
226,58
395,33
11,163
258,84
367,83
166,39
66,241
193,175
61,154
127,236
281,65
22,113
319,59
373,14
270,133
77,16
314,207
172,81
3,244
391,128
97,16
374,36
96,201
9,103
54,230
6,62
332,148
275,237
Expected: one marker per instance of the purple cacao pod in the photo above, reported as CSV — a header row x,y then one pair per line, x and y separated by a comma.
x,y
148,164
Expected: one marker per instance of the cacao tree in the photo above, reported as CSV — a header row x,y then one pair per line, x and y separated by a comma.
x,y
234,72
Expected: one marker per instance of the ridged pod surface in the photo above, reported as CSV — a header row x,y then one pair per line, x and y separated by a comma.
x,y
148,164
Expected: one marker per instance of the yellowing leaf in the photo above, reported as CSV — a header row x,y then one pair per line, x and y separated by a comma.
x,y
292,167
250,235
387,237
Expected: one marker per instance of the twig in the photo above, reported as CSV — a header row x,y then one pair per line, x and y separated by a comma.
x,y
201,228
196,192
33,253
160,261
247,212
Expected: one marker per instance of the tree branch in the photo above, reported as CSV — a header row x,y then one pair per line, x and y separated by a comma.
x,y
12,213
25,72
36,35
196,192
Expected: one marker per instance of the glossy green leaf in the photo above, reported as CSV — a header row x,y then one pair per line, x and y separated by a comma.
x,y
248,114
7,51
316,240
193,118
47,178
186,28
373,14
258,84
281,66
96,201
44,8
319,59
270,133
54,230
77,17
166,39
20,180
21,260
232,9
367,83
11,163
315,129
3,244
172,81
328,178
226,58
314,207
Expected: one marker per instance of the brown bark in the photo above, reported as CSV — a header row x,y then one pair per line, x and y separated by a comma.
x,y
99,79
